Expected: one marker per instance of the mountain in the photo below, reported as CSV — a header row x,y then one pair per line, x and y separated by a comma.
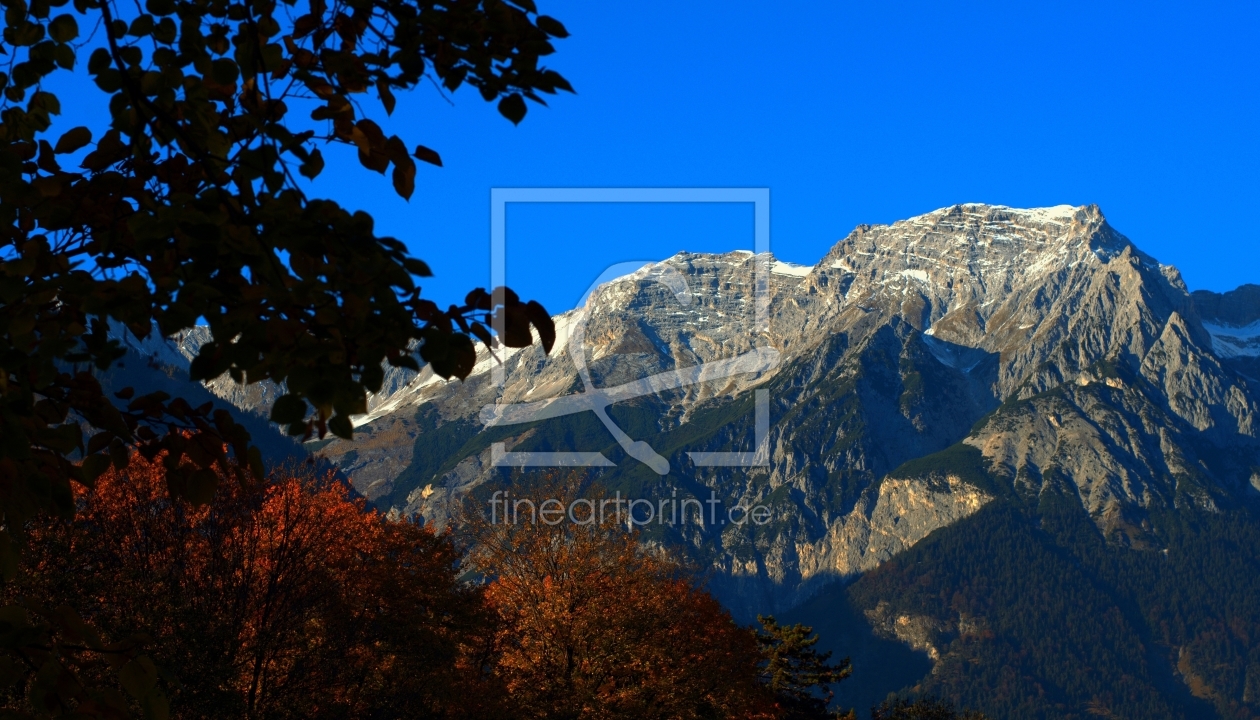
x,y
1005,441
257,397
1233,320
161,364
1058,339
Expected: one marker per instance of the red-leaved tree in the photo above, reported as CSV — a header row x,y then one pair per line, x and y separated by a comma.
x,y
285,599
591,624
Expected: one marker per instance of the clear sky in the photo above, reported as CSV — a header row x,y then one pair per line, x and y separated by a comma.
x,y
850,113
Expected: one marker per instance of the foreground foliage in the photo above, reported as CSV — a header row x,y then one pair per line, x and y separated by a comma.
x,y
591,624
286,599
187,208
292,599
189,204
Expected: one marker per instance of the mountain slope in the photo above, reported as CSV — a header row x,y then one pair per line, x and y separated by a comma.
x,y
1025,611
1011,440
1079,353
156,364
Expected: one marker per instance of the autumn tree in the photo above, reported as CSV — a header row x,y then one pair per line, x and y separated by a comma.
x,y
189,203
286,599
591,624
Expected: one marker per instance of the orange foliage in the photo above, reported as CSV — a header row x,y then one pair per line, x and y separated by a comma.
x,y
291,599
591,625
288,599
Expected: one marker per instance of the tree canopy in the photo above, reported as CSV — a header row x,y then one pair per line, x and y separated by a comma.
x,y
281,599
799,676
591,623
188,206
291,599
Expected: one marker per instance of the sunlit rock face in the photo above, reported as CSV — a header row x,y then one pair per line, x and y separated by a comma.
x,y
923,368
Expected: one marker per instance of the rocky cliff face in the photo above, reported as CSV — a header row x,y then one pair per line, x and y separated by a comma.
x,y
1233,321
917,371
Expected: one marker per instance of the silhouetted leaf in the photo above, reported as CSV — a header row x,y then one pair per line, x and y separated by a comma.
x,y
387,96
541,320
99,60
341,426
505,295
63,28
514,321
481,333
417,267
254,458
288,409
313,166
430,156
551,26
512,107
73,139
94,465
478,299
202,484
405,178
47,186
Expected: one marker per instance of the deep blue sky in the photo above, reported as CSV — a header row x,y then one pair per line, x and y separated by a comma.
x,y
850,113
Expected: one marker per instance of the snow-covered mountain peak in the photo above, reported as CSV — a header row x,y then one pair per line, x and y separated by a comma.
x,y
1056,213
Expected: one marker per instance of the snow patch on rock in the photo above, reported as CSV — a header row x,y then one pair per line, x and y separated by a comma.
x,y
920,275
786,268
1230,341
